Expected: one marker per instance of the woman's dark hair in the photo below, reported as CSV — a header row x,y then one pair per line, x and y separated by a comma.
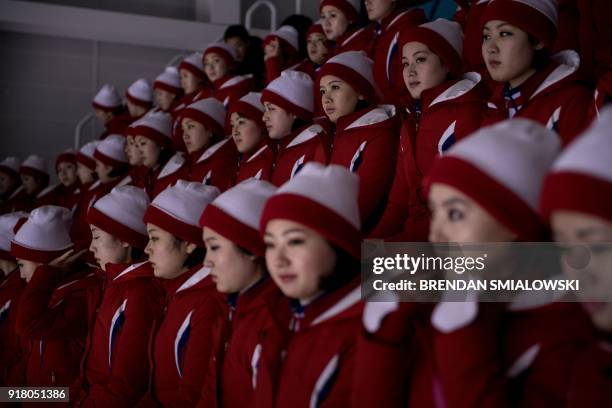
x,y
137,254
345,270
301,23
261,260
236,30
541,58
195,258
120,170
164,155
298,123
362,104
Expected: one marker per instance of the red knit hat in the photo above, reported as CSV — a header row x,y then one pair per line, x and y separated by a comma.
x,y
155,126
140,93
193,64
581,178
66,156
107,99
85,156
223,50
236,213
35,166
168,81
315,28
536,17
120,214
177,209
355,68
443,37
250,107
209,112
44,236
324,199
111,151
350,8
8,223
292,91
10,165
502,168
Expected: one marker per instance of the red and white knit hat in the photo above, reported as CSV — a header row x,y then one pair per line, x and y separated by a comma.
x,y
250,107
210,112
350,8
168,80
536,17
10,165
107,99
111,151
443,37
292,91
581,178
34,166
140,93
502,167
355,68
177,209
44,236
155,126
8,222
236,213
322,198
67,155
287,39
85,156
193,64
223,50
315,28
120,214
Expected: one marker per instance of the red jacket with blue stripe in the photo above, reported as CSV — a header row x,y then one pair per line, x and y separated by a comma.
x,y
54,315
115,370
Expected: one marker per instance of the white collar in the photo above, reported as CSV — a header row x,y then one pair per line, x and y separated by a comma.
x,y
195,278
173,165
305,135
376,115
343,304
211,150
469,81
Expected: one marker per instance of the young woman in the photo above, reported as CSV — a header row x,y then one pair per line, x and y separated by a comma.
x,y
64,193
281,51
514,346
193,81
109,110
12,346
212,157
468,15
167,89
311,232
10,183
152,138
183,344
251,138
235,256
517,37
445,107
34,178
575,199
364,141
139,98
219,65
339,20
387,18
289,107
115,367
59,299
112,167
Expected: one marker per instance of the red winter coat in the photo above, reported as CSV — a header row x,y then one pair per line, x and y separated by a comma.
x,y
217,165
115,369
295,150
387,54
168,174
366,143
117,125
54,315
498,355
354,40
319,360
232,87
394,364
553,96
12,347
449,112
592,376
183,343
257,165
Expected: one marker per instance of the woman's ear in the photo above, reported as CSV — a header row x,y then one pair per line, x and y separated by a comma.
x,y
360,97
539,46
190,248
125,244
